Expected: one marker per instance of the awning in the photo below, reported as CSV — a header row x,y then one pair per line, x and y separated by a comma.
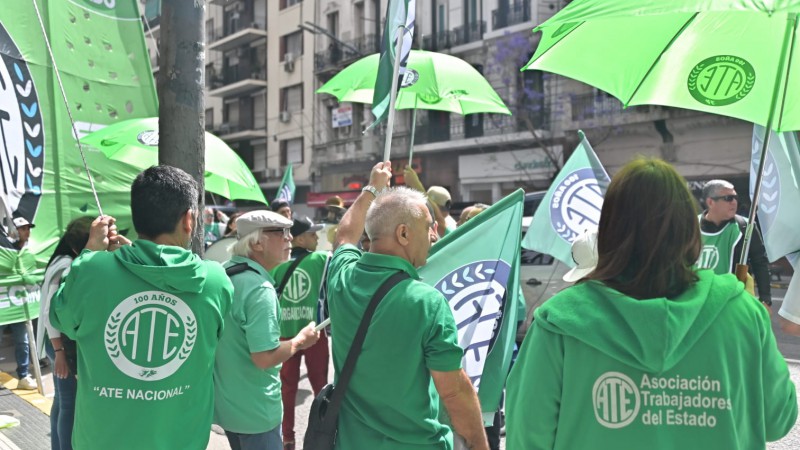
x,y
317,199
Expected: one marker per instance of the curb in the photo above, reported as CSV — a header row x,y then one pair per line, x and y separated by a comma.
x,y
33,397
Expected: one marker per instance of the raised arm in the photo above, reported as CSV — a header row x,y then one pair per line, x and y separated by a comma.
x,y
352,224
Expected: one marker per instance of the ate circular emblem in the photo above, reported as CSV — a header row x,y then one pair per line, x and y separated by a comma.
x,y
22,140
721,80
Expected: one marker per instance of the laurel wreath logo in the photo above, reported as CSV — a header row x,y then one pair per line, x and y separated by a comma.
x,y
744,67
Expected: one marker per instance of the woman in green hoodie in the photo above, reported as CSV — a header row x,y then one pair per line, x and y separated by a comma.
x,y
647,351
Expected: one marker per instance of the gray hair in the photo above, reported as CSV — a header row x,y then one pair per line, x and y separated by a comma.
x,y
712,188
393,206
242,246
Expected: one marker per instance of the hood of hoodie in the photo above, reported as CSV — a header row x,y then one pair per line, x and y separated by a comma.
x,y
166,267
651,334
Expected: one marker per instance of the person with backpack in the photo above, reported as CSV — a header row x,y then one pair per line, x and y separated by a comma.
x,y
247,383
299,281
722,231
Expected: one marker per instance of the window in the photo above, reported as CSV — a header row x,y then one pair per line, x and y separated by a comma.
x,y
291,151
210,119
292,98
333,24
288,3
291,43
210,36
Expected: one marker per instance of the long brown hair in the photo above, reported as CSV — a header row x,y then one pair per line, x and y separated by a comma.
x,y
649,236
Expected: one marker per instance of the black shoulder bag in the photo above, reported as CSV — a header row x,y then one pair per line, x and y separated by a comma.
x,y
324,415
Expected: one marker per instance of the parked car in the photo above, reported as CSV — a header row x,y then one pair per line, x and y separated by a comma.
x,y
540,274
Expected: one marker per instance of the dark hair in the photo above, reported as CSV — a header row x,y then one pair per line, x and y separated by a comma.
x,y
649,236
231,221
160,195
278,203
74,239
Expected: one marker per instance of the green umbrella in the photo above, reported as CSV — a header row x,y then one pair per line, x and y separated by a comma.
x,y
735,58
135,142
433,81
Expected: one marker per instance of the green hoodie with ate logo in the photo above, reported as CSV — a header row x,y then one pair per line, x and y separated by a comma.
x,y
146,320
600,370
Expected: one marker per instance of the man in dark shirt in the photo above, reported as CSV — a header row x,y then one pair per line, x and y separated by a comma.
x,y
722,231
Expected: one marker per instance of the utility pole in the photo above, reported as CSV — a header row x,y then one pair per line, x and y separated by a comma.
x,y
181,82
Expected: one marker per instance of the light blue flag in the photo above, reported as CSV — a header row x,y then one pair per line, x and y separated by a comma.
x,y
571,206
778,212
481,283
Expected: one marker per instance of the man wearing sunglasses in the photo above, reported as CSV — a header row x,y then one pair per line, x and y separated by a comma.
x,y
722,231
246,372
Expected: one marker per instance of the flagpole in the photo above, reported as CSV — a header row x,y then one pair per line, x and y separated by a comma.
x,y
413,131
393,94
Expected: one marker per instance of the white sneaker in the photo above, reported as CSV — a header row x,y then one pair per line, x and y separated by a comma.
x,y
27,383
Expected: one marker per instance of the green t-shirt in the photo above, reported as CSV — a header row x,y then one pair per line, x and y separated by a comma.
x,y
602,371
391,402
248,399
146,319
717,251
301,294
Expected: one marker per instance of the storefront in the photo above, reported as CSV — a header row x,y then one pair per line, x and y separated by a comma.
x,y
487,177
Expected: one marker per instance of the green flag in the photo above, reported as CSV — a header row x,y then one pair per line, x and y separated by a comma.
x,y
780,191
481,283
571,205
286,189
398,13
103,63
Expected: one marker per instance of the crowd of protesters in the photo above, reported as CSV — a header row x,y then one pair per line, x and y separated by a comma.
x,y
649,348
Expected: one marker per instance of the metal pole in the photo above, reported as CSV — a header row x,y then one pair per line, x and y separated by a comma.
x,y
387,150
413,132
181,84
780,76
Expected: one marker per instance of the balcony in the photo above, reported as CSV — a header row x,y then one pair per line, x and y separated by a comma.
x,y
471,32
233,132
236,81
230,37
491,125
438,41
511,14
338,55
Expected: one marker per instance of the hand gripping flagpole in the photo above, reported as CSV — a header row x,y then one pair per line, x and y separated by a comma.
x,y
393,94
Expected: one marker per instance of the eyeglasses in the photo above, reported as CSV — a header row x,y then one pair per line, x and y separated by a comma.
x,y
285,231
727,198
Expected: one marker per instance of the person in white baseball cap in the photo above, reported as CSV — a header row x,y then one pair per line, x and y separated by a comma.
x,y
23,231
584,253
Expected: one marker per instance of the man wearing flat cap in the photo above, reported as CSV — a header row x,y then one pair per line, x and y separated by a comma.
x,y
301,278
246,374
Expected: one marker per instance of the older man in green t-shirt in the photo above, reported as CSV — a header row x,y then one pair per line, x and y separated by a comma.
x,y
411,359
246,373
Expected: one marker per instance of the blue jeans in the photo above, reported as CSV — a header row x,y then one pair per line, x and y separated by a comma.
x,y
271,440
62,414
21,350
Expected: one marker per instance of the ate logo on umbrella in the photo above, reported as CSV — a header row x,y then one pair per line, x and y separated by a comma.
x,y
721,80
410,77
149,137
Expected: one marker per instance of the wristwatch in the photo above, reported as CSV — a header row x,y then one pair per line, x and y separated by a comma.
x,y
370,189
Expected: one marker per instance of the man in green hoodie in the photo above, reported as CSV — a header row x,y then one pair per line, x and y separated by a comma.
x,y
146,318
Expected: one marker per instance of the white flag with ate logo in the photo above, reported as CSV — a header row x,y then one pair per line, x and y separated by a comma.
x,y
778,214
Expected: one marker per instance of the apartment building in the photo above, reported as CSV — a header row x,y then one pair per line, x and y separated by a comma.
x,y
482,157
265,60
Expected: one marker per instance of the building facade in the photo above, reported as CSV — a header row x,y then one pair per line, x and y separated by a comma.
x,y
265,60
